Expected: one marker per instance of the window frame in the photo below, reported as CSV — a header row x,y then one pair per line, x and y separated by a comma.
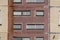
x,y
22,12
17,2
35,28
39,11
16,11
17,28
0,24
40,37
0,17
35,2
22,37
26,11
59,19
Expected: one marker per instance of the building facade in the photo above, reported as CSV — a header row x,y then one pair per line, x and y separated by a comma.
x,y
28,20
54,19
3,19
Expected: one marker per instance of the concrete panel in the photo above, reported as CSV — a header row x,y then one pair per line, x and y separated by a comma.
x,y
4,18
3,36
3,2
54,19
54,36
54,2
